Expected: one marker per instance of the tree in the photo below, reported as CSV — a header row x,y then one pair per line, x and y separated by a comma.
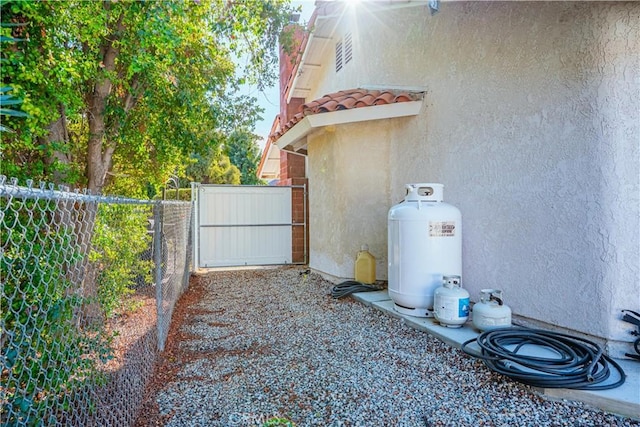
x,y
213,167
121,93
221,171
243,151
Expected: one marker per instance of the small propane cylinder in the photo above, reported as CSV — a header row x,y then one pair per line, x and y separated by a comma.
x,y
365,268
491,312
451,303
425,243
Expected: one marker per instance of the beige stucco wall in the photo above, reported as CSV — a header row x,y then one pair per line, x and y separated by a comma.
x,y
348,207
531,121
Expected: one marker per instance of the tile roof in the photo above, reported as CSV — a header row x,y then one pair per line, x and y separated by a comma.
x,y
346,100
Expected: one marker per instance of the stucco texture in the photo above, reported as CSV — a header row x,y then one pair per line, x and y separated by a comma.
x,y
531,121
350,164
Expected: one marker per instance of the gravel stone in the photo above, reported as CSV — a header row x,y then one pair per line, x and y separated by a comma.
x,y
249,345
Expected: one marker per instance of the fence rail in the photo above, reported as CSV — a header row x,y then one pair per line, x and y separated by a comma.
x,y
88,287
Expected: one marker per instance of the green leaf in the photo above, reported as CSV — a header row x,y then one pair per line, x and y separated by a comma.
x,y
14,113
9,100
5,39
12,24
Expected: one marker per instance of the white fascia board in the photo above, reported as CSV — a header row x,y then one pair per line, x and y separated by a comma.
x,y
271,166
294,137
363,114
295,134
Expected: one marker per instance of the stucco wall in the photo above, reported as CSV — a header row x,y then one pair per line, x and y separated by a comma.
x,y
348,207
532,123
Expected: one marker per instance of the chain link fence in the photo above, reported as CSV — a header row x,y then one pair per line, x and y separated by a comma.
x,y
88,286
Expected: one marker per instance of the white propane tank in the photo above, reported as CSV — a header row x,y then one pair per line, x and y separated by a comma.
x,y
491,312
425,243
451,303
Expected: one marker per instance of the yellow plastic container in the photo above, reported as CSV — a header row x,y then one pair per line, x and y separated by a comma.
x,y
365,268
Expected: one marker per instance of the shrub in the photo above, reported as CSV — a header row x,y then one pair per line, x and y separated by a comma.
x,y
119,244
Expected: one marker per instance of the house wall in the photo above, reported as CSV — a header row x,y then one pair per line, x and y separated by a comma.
x,y
349,194
532,123
329,80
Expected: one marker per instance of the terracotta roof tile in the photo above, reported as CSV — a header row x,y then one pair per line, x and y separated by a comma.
x,y
403,97
366,100
331,105
347,100
347,103
384,98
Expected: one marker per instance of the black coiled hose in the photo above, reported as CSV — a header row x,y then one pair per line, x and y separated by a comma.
x,y
576,363
350,286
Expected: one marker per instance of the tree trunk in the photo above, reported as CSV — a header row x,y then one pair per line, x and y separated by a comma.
x,y
99,160
99,149
58,135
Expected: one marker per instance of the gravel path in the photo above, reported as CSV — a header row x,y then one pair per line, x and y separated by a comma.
x,y
247,346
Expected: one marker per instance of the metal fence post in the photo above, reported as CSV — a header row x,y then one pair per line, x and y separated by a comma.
x,y
305,198
157,261
195,201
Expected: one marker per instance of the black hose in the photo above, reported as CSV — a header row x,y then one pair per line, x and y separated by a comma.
x,y
350,286
577,363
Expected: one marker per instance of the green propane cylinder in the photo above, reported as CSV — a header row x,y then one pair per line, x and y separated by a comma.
x,y
365,268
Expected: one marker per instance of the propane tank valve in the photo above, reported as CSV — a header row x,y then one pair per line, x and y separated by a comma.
x,y
496,299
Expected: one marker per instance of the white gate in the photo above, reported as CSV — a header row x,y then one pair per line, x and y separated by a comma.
x,y
242,225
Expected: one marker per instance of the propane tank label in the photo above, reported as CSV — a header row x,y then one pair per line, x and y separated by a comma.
x,y
463,307
451,308
442,228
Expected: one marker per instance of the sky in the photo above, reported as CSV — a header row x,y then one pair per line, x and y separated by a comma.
x,y
269,99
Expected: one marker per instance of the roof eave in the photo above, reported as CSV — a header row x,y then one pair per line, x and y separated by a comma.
x,y
295,139
269,167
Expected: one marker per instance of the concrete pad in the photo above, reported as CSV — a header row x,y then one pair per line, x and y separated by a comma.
x,y
623,400
372,296
452,336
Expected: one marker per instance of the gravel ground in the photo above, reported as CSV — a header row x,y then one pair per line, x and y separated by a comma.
x,y
252,345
